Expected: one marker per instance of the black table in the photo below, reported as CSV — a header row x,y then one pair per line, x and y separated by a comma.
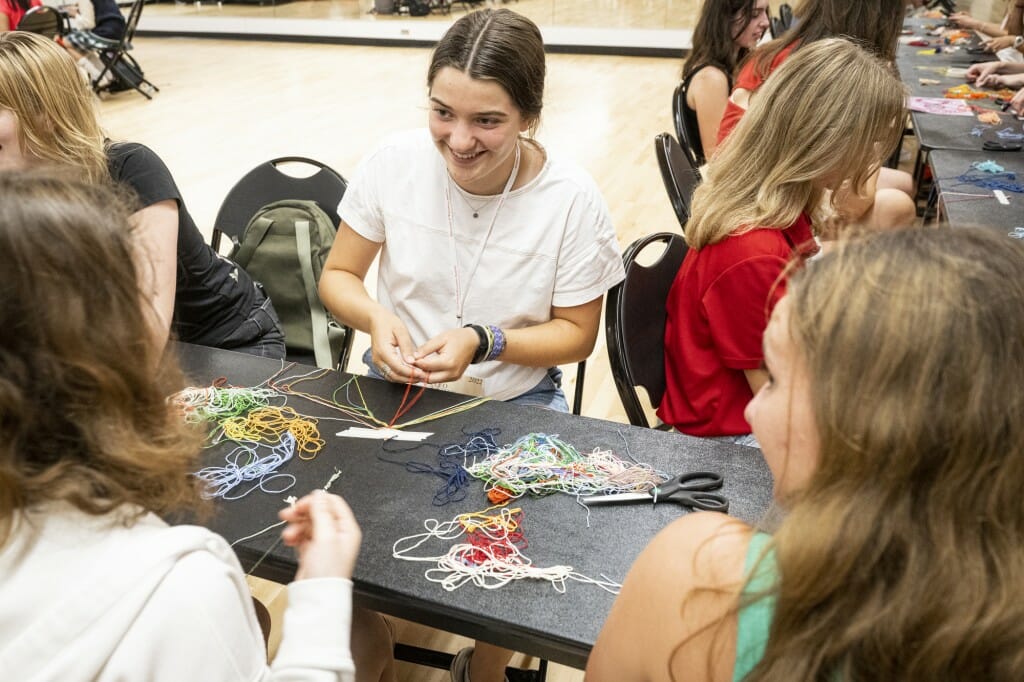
x,y
390,503
935,131
967,211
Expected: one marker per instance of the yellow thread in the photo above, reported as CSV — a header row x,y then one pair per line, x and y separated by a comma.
x,y
267,424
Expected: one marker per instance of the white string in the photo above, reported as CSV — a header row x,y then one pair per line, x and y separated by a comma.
x,y
462,564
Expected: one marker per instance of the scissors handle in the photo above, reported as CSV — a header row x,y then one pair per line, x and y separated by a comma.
x,y
703,501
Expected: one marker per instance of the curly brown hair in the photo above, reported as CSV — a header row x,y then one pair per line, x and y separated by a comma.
x,y
83,381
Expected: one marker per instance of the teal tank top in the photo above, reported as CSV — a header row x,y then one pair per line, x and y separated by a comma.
x,y
754,621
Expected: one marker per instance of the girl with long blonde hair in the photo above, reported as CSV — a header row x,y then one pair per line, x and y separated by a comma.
x,y
893,427
48,118
833,112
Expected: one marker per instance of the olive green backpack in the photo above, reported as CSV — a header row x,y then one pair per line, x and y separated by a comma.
x,y
284,247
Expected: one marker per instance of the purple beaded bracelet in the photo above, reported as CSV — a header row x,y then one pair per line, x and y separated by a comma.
x,y
499,342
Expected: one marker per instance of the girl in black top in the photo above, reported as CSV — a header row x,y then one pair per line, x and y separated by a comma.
x,y
201,296
726,31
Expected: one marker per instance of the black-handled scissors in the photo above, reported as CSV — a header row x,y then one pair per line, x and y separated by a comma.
x,y
688,490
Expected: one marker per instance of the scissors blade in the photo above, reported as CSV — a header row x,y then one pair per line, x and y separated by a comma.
x,y
617,498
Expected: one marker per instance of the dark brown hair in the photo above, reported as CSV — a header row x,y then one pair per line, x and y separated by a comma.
x,y
873,24
714,40
83,381
497,45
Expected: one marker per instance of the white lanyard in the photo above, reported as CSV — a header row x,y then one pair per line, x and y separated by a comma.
x,y
460,298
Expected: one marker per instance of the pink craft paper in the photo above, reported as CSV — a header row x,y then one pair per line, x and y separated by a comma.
x,y
940,105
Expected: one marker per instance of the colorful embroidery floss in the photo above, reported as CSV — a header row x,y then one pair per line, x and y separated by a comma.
x,y
490,557
268,424
213,403
542,464
244,465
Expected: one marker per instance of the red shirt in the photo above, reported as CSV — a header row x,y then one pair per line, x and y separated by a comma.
x,y
749,80
14,11
718,309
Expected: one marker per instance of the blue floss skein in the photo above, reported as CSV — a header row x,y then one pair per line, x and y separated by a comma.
x,y
220,481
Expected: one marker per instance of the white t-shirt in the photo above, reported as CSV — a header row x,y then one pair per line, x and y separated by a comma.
x,y
552,245
89,598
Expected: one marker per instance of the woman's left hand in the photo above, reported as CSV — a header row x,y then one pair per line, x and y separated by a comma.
x,y
446,356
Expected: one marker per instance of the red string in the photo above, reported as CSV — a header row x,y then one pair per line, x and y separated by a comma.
x,y
402,406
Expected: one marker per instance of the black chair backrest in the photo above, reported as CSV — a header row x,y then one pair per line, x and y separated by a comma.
x,y
43,20
775,27
687,127
635,322
265,184
678,174
786,16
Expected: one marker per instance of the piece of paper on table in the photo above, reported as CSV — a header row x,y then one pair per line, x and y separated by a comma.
x,y
940,105
1001,197
384,434
956,72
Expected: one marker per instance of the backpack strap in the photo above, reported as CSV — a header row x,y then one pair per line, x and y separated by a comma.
x,y
258,230
321,342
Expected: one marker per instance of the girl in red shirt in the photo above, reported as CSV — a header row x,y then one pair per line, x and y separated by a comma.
x,y
834,112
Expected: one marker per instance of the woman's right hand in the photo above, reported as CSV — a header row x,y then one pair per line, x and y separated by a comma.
x,y
392,349
324,532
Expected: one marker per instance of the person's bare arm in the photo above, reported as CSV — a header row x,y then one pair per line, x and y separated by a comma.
x,y
567,337
344,294
707,95
677,600
156,244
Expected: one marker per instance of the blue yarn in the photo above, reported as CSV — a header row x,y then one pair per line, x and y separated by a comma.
x,y
244,464
451,460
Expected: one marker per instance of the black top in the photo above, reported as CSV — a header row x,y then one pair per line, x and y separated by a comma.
x,y
690,123
213,295
110,22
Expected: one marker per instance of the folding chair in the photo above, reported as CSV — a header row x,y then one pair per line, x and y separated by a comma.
x,y
785,16
44,20
687,128
680,176
635,323
114,54
266,184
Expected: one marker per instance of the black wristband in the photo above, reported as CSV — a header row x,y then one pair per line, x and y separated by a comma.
x,y
481,350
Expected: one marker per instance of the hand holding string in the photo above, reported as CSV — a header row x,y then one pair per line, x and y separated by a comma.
x,y
446,356
324,533
393,349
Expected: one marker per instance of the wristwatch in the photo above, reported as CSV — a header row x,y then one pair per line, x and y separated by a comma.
x,y
1018,41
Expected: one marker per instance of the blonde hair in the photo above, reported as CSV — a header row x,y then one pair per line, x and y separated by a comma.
x,y
903,557
56,114
84,417
830,112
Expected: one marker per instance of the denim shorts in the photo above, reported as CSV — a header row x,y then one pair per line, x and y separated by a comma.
x,y
547,393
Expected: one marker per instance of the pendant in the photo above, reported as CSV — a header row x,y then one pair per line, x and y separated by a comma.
x,y
476,215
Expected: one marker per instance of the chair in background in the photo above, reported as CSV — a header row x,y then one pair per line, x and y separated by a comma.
x,y
687,128
117,62
785,16
44,20
635,323
680,176
266,184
